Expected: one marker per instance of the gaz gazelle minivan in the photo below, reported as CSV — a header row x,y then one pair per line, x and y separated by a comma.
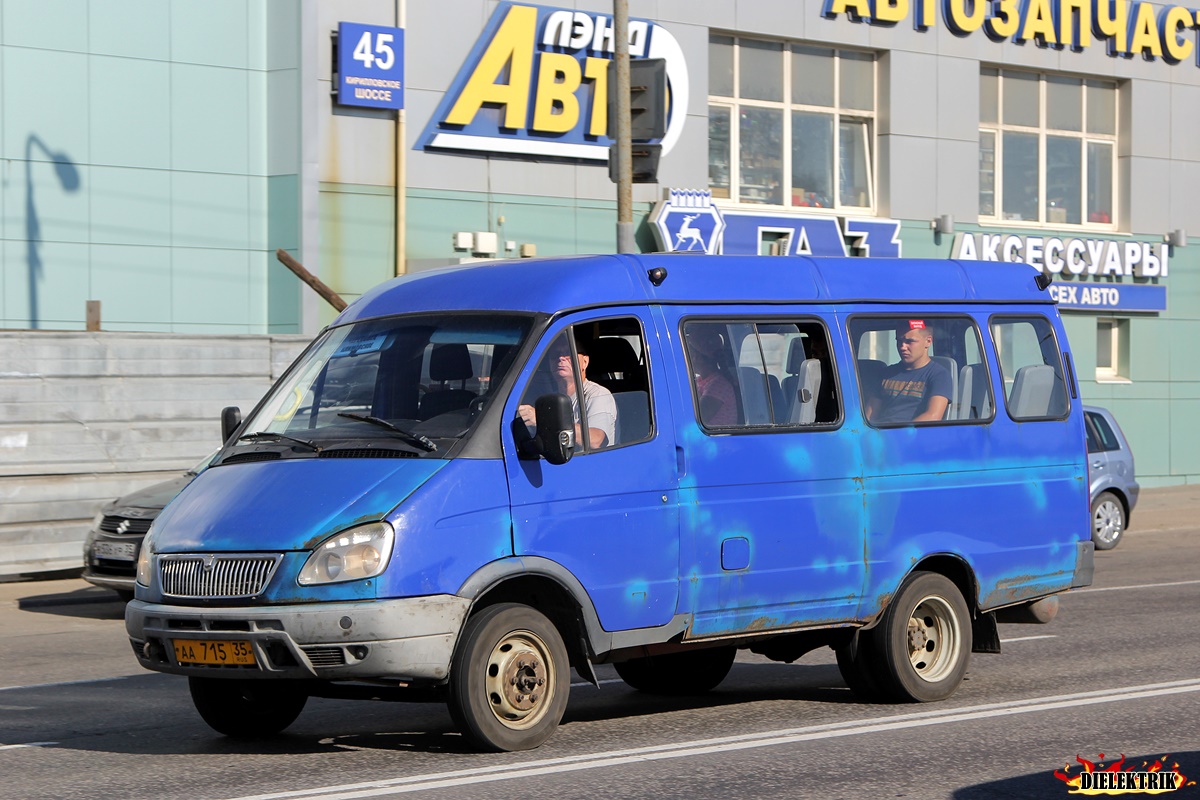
x,y
420,505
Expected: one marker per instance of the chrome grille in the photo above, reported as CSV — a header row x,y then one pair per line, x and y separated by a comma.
x,y
216,576
130,525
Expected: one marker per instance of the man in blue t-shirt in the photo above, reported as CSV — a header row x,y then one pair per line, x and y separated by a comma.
x,y
918,388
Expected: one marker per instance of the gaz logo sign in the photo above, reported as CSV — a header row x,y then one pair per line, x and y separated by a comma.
x,y
370,66
536,83
689,221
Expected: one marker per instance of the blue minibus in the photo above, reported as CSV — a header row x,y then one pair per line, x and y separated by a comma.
x,y
479,478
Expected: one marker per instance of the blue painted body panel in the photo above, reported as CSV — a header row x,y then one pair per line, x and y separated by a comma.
x,y
795,496
611,517
290,504
554,285
450,527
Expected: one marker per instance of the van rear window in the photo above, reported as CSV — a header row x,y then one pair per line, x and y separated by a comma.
x,y
761,374
1031,364
916,368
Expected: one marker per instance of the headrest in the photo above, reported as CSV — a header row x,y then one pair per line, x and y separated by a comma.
x,y
797,353
612,354
450,362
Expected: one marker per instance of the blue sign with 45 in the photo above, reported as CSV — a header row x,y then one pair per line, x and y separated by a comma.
x,y
370,66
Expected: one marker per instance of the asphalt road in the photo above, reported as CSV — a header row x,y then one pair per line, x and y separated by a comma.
x,y
1117,673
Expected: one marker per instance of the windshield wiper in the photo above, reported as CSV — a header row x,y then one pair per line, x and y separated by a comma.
x,y
415,439
279,437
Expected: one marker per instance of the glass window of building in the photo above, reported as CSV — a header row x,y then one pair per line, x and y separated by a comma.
x,y
1047,149
1112,349
791,125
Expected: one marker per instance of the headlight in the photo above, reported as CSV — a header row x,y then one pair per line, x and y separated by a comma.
x,y
96,520
144,557
351,555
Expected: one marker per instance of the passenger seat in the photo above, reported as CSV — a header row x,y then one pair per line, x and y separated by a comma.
x,y
951,367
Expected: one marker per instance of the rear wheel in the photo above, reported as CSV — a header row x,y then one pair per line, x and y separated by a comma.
x,y
509,679
924,639
1108,521
247,709
678,673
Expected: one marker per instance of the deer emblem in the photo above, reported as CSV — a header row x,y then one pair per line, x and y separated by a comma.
x,y
686,231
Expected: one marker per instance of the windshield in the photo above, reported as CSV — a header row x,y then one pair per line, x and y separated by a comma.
x,y
412,380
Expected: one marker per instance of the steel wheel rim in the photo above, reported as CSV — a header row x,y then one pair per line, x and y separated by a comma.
x,y
519,679
933,640
1106,522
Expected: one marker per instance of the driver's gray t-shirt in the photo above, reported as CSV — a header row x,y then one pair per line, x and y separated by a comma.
x,y
601,410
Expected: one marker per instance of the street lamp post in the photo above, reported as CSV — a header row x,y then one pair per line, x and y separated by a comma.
x,y
624,149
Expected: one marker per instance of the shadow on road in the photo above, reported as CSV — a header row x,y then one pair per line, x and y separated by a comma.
x,y
90,603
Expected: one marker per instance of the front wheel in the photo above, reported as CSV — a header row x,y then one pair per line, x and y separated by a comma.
x,y
924,639
1108,521
509,678
678,674
247,709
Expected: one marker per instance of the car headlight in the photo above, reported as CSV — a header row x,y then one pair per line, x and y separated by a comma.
x,y
144,558
96,520
351,555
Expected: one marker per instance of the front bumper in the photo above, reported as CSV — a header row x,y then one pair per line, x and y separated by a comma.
x,y
120,584
406,640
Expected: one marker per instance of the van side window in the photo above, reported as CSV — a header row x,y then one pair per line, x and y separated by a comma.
x,y
1031,366
916,368
761,374
604,360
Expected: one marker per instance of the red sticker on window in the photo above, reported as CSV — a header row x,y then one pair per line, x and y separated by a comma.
x,y
916,324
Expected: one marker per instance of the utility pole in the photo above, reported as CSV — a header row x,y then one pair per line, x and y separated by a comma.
x,y
625,242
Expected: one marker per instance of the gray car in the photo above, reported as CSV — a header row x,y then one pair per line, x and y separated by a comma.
x,y
111,549
1114,489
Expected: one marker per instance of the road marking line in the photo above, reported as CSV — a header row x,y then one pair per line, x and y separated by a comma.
x,y
1138,586
27,744
1029,638
64,683
549,766
589,683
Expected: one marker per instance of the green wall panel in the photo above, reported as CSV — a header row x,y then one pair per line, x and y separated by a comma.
x,y
126,279
357,234
131,28
130,206
134,129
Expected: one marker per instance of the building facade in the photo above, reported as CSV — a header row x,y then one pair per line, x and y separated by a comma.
x,y
158,153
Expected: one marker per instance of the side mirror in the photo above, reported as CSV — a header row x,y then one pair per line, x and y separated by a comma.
x,y
555,437
231,418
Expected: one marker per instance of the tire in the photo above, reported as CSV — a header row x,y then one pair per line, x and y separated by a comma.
x,y
1108,521
509,678
861,672
678,674
924,640
247,709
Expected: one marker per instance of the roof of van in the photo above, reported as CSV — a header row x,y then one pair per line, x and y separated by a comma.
x,y
555,284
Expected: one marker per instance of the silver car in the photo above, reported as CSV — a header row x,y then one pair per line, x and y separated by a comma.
x,y
111,550
1111,476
